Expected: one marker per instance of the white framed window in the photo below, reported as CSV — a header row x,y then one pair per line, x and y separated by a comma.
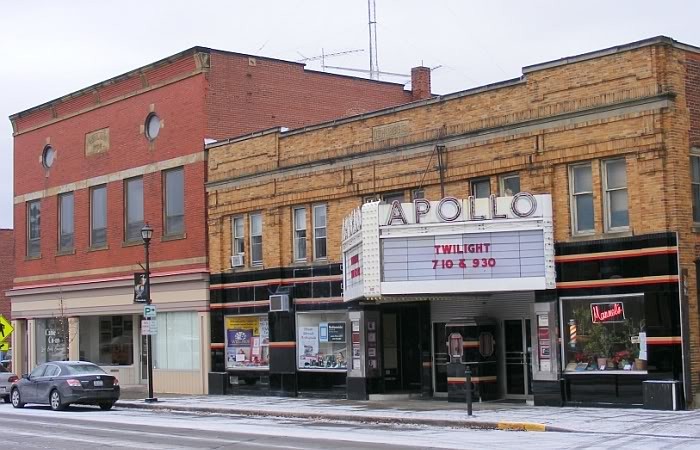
x,y
480,188
509,184
177,343
174,201
615,200
320,235
65,222
256,239
98,216
133,209
34,228
581,201
238,233
695,182
299,218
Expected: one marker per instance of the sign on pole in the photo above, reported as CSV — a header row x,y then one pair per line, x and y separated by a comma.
x,y
149,311
140,289
6,329
4,346
149,327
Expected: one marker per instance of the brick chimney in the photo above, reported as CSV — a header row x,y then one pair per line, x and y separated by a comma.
x,y
420,83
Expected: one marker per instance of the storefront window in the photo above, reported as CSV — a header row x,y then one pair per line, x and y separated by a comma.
x,y
247,342
52,339
322,341
107,340
177,342
604,333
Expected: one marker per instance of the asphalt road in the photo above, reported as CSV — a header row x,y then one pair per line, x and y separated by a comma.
x,y
89,428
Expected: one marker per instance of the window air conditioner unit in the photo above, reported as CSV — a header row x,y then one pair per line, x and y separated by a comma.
x,y
237,260
279,302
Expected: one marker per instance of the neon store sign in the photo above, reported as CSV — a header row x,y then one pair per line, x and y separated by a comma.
x,y
610,312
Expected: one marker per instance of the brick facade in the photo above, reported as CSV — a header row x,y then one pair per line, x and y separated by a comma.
x,y
638,103
7,264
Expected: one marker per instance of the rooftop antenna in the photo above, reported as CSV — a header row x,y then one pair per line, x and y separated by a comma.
x,y
325,55
373,60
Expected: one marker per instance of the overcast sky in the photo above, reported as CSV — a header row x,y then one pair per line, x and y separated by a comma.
x,y
51,48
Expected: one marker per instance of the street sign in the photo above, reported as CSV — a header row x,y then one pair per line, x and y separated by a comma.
x,y
149,327
5,329
4,346
149,311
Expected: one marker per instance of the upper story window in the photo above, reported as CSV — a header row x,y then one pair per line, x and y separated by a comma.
x,y
152,126
391,197
98,216
174,204
615,200
238,232
299,218
34,228
65,222
256,239
509,184
417,193
695,182
480,188
48,156
133,209
581,188
320,237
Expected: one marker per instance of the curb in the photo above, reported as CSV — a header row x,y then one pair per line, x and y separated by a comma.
x,y
483,425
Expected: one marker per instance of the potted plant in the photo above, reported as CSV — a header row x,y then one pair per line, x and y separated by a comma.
x,y
632,330
600,343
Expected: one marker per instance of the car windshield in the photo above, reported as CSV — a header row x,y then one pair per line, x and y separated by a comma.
x,y
77,369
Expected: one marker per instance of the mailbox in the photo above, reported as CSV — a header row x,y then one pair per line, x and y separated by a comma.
x,y
455,345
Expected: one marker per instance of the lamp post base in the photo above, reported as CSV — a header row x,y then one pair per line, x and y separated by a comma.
x,y
150,400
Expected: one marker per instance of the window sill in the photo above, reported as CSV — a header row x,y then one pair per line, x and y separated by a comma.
x,y
599,236
131,243
32,258
97,249
696,228
606,372
65,252
173,237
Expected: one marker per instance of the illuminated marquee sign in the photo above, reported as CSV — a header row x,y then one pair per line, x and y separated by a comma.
x,y
610,312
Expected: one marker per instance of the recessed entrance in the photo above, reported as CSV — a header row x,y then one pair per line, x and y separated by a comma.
x,y
401,345
518,354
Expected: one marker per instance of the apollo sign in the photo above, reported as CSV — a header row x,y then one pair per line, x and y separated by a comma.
x,y
450,209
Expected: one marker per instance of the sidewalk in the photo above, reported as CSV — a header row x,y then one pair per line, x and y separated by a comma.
x,y
441,413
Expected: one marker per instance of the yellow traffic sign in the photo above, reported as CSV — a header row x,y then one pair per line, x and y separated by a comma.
x,y
5,329
4,346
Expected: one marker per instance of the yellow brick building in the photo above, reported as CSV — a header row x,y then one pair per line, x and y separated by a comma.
x,y
608,136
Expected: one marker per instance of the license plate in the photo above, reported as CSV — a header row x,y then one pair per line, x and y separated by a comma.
x,y
98,383
3,389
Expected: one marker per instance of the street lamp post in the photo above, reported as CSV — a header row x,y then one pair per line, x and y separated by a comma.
x,y
146,235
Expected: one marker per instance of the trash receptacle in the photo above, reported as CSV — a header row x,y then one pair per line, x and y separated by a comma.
x,y
662,395
218,383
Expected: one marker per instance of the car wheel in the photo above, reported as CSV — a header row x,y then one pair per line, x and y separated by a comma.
x,y
55,401
16,399
106,406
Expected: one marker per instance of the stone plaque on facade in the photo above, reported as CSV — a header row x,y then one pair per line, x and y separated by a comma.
x,y
97,142
390,131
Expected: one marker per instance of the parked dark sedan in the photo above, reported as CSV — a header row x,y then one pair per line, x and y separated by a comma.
x,y
60,383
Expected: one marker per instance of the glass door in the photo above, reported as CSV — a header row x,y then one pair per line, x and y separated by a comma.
x,y
518,357
144,355
440,359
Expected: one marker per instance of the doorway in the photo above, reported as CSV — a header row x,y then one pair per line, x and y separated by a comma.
x,y
401,346
518,358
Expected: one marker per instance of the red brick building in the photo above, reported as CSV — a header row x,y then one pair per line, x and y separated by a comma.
x,y
92,167
7,264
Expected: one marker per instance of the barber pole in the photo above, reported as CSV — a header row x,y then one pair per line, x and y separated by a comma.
x,y
572,333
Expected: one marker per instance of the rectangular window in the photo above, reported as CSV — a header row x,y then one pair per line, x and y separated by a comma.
x,y
581,180
509,184
256,239
65,222
174,204
417,193
133,209
238,231
480,188
615,186
695,183
177,342
52,339
247,342
107,340
322,343
390,197
320,247
98,216
34,228
299,234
